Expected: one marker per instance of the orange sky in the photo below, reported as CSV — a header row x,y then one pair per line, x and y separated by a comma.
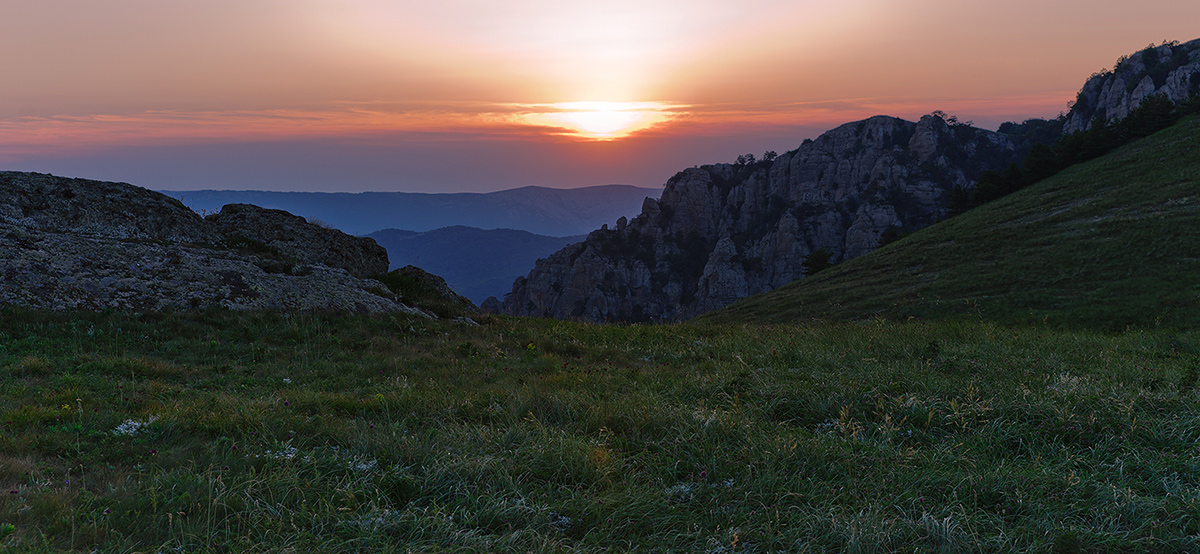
x,y
467,95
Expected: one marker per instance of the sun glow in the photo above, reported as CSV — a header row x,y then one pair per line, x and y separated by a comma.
x,y
598,120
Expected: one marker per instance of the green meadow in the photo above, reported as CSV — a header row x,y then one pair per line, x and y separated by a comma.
x,y
264,432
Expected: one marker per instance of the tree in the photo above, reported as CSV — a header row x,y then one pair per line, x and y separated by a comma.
x,y
951,120
817,260
745,159
770,155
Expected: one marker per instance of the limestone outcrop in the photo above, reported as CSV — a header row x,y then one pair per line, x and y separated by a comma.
x,y
722,232
77,244
1170,69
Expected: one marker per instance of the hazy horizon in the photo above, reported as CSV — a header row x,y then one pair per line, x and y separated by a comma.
x,y
470,96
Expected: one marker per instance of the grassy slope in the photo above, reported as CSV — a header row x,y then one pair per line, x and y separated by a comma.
x,y
327,433
1105,244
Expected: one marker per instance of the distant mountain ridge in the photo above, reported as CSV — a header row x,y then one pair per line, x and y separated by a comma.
x,y
476,263
538,210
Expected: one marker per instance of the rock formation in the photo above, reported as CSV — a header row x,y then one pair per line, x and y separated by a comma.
x,y
1171,69
297,239
722,232
70,244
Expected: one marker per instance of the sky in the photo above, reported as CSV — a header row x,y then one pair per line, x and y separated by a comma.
x,y
476,96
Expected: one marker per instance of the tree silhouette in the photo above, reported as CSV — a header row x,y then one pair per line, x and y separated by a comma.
x,y
817,260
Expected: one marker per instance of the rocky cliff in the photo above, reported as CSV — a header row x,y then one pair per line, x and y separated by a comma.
x,y
1170,69
723,232
82,244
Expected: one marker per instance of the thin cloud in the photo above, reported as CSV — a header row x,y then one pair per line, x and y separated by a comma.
x,y
463,120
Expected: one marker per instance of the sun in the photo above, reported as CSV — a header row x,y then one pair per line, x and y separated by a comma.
x,y
599,120
603,123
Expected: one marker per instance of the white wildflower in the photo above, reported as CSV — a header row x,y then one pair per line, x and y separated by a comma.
x,y
560,522
131,427
363,467
285,454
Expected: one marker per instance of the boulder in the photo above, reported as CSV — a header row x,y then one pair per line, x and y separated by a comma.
x,y
294,238
77,244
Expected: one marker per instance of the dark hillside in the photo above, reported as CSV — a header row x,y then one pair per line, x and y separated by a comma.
x,y
1106,244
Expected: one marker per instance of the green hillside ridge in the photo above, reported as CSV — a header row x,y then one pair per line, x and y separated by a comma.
x,y
1106,244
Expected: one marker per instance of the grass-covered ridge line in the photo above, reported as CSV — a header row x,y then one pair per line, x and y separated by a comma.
x,y
1106,244
218,432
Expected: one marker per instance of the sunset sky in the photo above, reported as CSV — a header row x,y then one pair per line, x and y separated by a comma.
x,y
472,95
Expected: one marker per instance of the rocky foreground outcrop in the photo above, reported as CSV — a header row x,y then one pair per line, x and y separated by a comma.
x,y
69,244
297,239
723,232
1170,69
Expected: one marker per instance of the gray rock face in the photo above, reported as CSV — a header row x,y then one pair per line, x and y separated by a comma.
x,y
69,244
722,232
295,238
96,208
1172,70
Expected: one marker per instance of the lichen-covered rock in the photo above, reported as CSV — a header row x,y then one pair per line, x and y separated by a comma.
x,y
97,208
1172,70
723,232
294,238
75,244
66,271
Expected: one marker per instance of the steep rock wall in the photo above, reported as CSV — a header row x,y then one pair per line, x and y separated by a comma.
x,y
722,232
1169,69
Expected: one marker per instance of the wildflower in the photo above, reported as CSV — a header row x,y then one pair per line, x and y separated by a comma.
x,y
107,511
285,454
